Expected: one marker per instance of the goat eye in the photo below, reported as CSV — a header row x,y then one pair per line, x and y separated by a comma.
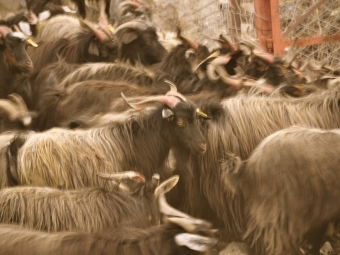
x,y
180,123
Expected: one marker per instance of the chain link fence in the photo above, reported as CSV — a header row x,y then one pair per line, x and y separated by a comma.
x,y
203,19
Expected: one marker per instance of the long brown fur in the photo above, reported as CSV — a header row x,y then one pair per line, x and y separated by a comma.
x,y
85,209
121,241
70,159
239,124
291,187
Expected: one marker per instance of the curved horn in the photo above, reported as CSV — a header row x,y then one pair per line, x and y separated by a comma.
x,y
227,43
190,224
221,60
173,91
250,44
19,101
233,81
127,3
8,107
269,58
137,177
138,25
100,35
166,185
186,39
211,56
168,210
168,100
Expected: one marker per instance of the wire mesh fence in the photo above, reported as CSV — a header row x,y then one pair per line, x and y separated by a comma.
x,y
203,19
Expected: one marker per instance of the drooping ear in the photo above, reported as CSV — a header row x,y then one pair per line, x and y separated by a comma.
x,y
128,37
93,49
166,185
167,113
195,242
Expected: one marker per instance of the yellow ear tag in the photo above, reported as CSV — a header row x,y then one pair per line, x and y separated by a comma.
x,y
215,54
32,43
200,113
111,28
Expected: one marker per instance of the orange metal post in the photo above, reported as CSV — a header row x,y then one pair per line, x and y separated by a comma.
x,y
275,18
263,24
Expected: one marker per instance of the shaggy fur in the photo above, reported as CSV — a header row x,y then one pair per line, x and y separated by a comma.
x,y
85,209
122,241
112,72
61,26
291,187
70,159
88,98
237,127
75,50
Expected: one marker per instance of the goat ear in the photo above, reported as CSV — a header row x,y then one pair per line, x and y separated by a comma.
x,y
129,37
93,49
167,113
195,242
166,185
25,28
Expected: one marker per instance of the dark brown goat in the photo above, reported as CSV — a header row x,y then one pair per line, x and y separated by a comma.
x,y
138,43
181,235
143,142
14,60
87,98
89,45
236,128
290,188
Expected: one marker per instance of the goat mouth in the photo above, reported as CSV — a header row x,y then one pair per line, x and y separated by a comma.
x,y
201,148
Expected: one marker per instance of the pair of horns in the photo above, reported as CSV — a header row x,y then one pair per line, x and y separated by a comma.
x,y
216,71
171,98
16,109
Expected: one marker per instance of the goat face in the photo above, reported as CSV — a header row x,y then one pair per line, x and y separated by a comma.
x,y
15,54
140,46
185,133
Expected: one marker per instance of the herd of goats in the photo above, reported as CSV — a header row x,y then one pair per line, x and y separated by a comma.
x,y
117,141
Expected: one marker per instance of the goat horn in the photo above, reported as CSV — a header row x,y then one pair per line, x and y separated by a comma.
x,y
269,58
138,25
186,39
8,107
221,60
137,177
168,210
155,179
102,36
19,101
225,42
211,56
173,91
190,224
234,82
169,100
127,3
250,44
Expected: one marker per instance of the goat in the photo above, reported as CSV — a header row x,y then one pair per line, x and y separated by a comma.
x,y
141,143
180,235
84,209
290,188
14,60
89,45
88,98
138,43
237,126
